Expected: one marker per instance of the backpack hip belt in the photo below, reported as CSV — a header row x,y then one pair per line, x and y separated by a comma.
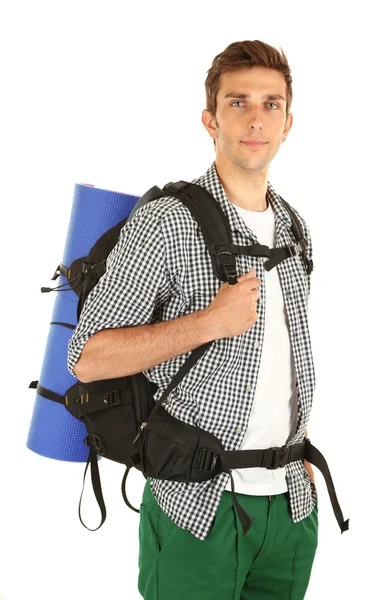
x,y
169,448
177,451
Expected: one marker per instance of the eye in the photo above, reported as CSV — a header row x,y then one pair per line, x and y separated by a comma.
x,y
240,102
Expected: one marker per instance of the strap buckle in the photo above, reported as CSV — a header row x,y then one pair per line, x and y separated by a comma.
x,y
80,399
224,248
298,247
230,271
85,267
56,273
294,250
275,457
221,249
112,398
206,459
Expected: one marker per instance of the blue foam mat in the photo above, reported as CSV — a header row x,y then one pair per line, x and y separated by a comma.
x,y
54,432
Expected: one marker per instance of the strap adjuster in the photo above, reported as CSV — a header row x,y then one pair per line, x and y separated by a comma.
x,y
294,249
112,398
206,459
275,457
80,399
222,249
298,247
230,271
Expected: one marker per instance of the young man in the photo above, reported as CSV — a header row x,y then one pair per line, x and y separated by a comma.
x,y
253,388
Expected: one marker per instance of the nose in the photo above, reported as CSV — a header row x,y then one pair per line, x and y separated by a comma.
x,y
255,124
256,120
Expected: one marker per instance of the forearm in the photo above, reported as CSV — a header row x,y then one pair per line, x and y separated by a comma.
x,y
112,353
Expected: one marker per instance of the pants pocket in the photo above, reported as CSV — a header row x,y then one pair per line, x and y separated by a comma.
x,y
167,530
305,555
156,528
148,549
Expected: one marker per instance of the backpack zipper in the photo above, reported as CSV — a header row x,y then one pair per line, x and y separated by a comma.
x,y
143,425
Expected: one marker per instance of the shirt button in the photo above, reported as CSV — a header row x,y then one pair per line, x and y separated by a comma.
x,y
256,344
248,388
238,430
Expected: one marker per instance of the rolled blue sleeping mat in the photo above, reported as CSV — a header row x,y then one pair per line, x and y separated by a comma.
x,y
54,432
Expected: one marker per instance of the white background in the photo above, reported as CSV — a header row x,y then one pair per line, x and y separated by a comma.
x,y
111,93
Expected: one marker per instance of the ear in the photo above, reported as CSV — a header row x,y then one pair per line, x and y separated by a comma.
x,y
209,123
288,124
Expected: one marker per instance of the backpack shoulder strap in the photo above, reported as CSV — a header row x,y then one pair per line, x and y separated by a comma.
x,y
214,225
151,194
210,217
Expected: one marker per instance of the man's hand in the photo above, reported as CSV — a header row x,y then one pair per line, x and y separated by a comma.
x,y
309,470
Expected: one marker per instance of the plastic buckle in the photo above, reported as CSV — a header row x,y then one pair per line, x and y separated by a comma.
x,y
222,249
56,273
294,250
206,459
230,271
112,398
81,399
275,457
85,267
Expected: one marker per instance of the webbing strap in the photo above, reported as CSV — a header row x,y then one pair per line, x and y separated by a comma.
x,y
68,325
274,457
123,488
61,270
315,457
275,255
96,484
47,393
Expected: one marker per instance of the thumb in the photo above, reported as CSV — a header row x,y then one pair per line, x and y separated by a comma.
x,y
251,273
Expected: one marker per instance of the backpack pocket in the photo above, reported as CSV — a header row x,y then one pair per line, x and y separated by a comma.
x,y
116,428
162,457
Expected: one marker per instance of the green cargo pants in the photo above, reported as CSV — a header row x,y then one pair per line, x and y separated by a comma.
x,y
273,561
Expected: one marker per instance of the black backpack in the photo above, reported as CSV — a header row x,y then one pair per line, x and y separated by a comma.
x,y
116,411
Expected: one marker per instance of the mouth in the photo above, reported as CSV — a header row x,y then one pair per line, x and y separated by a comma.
x,y
255,145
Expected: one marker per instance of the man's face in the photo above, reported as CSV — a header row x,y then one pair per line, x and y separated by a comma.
x,y
240,119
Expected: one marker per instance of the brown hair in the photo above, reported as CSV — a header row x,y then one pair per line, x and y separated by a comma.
x,y
247,54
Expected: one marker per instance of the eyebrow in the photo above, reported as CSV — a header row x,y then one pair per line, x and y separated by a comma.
x,y
266,97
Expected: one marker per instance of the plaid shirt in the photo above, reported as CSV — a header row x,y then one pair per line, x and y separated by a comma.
x,y
159,270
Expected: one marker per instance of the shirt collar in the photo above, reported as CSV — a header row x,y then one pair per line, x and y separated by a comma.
x,y
211,182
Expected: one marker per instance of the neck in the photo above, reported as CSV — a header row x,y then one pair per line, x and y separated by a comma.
x,y
246,190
